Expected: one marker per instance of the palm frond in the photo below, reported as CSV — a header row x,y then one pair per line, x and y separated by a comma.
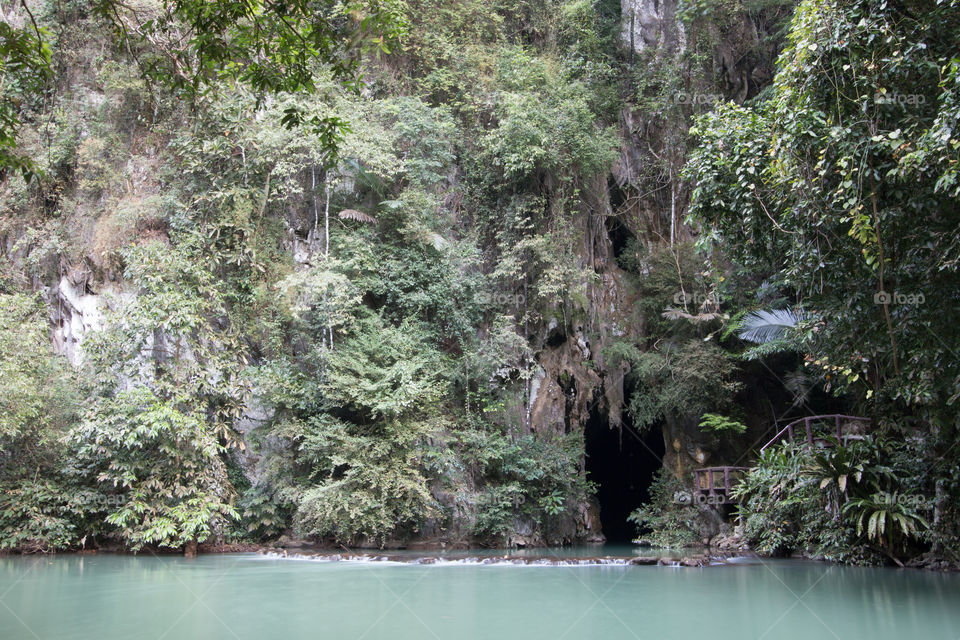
x,y
766,326
358,216
672,313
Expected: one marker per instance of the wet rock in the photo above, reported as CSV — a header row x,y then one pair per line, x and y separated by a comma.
x,y
729,542
931,562
288,542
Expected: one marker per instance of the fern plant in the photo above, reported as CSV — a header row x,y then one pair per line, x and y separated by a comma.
x,y
716,423
888,520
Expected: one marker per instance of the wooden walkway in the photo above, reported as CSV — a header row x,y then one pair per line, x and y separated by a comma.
x,y
837,419
713,485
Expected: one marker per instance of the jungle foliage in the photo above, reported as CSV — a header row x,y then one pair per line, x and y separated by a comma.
x,y
345,281
821,189
862,501
332,242
838,191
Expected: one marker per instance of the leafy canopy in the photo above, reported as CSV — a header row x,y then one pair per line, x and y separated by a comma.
x,y
841,188
191,46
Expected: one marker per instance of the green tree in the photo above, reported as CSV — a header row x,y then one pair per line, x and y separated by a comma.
x,y
839,189
41,507
167,397
355,420
166,463
24,70
192,46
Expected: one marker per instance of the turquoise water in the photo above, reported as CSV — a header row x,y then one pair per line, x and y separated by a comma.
x,y
244,596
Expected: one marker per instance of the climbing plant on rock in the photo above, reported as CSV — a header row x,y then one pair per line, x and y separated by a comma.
x,y
823,187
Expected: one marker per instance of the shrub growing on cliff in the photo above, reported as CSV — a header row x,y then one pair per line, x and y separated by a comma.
x,y
674,380
350,428
669,519
714,423
677,370
369,480
532,480
41,508
164,407
167,463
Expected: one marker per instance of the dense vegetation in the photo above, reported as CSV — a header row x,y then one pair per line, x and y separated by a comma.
x,y
348,285
840,192
298,303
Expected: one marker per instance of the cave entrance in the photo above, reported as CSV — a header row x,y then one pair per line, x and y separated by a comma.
x,y
622,463
620,236
618,233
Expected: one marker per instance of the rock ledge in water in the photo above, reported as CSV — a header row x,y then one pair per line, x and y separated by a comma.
x,y
466,559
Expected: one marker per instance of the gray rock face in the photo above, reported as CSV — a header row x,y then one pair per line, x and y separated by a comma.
x,y
75,312
651,24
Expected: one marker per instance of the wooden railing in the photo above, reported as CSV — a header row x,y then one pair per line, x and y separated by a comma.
x,y
714,484
838,420
706,485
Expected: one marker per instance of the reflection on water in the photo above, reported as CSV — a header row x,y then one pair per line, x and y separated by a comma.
x,y
249,596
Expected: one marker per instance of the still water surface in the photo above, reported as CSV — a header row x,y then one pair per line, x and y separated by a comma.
x,y
106,597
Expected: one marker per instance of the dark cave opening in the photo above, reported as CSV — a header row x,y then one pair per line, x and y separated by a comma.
x,y
622,463
618,232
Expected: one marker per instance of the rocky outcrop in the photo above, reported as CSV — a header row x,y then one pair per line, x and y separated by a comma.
x,y
562,401
76,310
74,314
651,24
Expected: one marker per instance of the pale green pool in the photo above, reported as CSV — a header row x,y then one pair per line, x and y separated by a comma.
x,y
244,596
